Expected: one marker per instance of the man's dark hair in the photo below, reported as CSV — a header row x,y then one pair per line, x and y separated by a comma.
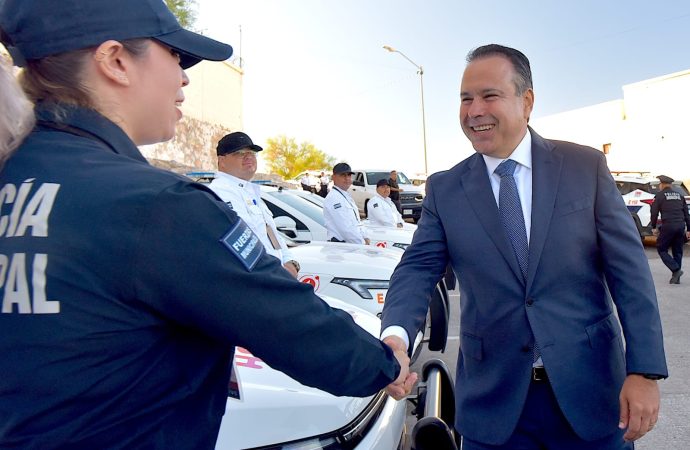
x,y
523,72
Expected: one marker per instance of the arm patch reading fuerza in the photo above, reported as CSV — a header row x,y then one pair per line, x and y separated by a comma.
x,y
244,244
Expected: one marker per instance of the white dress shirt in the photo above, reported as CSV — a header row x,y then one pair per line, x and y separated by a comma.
x,y
523,178
382,211
244,198
342,218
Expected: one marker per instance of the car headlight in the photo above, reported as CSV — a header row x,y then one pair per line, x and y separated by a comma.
x,y
346,438
401,245
362,287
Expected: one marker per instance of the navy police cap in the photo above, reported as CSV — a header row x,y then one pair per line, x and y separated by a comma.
x,y
234,142
33,29
665,179
342,168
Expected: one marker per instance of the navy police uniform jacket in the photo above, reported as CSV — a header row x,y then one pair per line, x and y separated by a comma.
x,y
124,290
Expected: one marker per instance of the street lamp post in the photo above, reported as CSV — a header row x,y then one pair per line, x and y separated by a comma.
x,y
420,71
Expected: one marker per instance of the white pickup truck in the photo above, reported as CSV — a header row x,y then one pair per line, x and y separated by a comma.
x,y
364,188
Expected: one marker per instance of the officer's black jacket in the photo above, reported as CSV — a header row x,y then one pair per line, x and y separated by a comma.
x,y
671,204
121,305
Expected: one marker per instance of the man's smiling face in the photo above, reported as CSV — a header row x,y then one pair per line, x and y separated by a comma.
x,y
492,115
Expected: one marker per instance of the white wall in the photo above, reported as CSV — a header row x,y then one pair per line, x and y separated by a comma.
x,y
649,129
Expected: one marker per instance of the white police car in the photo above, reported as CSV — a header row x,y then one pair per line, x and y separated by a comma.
x,y
299,217
638,190
275,412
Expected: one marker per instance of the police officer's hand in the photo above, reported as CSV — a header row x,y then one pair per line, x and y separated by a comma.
x,y
655,231
367,241
400,225
402,386
291,268
687,235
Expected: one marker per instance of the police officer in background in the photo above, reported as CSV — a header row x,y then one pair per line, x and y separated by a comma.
x,y
236,167
340,212
395,190
675,229
125,288
381,210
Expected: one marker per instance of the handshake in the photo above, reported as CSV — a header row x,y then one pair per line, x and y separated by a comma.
x,y
402,386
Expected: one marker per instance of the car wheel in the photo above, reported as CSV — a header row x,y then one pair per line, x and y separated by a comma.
x,y
638,225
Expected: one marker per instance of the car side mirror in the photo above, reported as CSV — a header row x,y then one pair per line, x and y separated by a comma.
x,y
286,225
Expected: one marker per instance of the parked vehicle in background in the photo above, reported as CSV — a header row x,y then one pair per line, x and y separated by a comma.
x,y
638,190
364,188
299,217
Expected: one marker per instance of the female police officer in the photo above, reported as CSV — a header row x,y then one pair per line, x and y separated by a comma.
x,y
125,288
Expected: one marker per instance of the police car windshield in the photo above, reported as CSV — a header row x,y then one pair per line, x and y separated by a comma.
x,y
305,207
373,177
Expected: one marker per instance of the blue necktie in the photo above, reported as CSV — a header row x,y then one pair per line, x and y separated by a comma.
x,y
510,210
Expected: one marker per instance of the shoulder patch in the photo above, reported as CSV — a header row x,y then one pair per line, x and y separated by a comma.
x,y
337,205
229,204
376,205
244,244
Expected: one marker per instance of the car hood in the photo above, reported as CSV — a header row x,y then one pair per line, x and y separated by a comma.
x,y
275,408
390,235
347,260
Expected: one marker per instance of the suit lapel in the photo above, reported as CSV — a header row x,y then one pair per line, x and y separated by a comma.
x,y
546,174
480,196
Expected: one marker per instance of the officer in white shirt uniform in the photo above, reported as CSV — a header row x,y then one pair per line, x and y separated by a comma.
x,y
343,223
381,210
236,166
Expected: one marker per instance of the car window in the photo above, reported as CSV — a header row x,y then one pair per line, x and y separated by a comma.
x,y
374,177
359,179
306,207
402,178
623,187
277,211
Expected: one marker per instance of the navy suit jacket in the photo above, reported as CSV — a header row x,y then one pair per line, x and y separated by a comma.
x,y
585,257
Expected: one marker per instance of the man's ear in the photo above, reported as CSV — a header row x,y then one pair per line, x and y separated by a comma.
x,y
112,61
528,102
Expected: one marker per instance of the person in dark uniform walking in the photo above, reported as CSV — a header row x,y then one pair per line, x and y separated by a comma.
x,y
125,288
675,226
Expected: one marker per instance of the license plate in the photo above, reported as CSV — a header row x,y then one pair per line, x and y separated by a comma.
x,y
407,211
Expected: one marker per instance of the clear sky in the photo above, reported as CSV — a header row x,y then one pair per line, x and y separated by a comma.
x,y
316,70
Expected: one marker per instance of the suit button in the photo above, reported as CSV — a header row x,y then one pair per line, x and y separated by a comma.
x,y
530,302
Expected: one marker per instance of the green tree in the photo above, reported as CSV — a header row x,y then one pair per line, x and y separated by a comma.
x,y
288,159
184,10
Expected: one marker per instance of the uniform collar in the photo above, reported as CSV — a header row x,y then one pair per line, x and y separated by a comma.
x,y
88,123
233,180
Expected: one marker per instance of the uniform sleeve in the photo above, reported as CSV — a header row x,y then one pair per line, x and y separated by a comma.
x,y
656,206
183,271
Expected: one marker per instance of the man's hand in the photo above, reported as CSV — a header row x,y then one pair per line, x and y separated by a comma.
x,y
367,241
402,386
655,231
400,225
639,400
687,235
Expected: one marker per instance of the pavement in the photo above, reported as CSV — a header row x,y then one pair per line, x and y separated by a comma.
x,y
672,431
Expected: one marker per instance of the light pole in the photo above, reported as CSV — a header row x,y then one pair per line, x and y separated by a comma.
x,y
420,71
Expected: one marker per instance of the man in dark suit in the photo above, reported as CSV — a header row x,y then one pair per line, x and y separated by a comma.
x,y
544,249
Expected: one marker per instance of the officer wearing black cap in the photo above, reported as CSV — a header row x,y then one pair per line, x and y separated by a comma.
x,y
125,288
674,230
236,167
381,210
340,212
